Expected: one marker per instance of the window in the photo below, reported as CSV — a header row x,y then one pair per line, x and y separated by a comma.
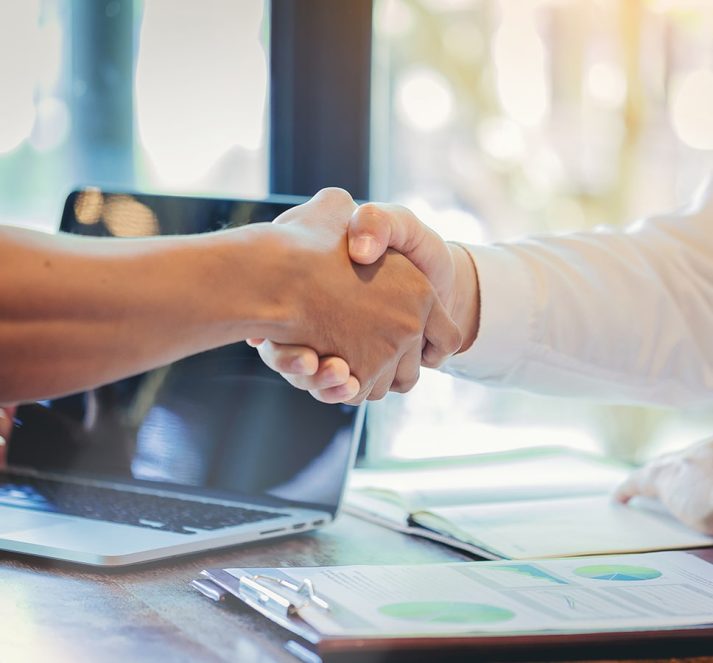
x,y
166,95
496,118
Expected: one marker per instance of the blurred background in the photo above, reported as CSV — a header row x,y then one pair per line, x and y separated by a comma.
x,y
491,119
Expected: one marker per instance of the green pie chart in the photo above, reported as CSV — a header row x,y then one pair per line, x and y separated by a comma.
x,y
444,612
617,572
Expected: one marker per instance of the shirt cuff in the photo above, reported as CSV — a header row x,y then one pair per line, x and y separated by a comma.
x,y
506,315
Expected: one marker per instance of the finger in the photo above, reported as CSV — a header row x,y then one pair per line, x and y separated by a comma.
x,y
407,372
364,391
254,342
374,227
332,372
357,400
638,484
331,204
382,386
340,394
6,422
443,338
289,359
369,233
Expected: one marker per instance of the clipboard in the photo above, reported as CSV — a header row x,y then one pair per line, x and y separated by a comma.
x,y
282,603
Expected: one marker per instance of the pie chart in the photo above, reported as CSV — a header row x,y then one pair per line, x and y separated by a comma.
x,y
617,572
446,612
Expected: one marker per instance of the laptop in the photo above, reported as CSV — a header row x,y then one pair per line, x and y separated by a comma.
x,y
210,451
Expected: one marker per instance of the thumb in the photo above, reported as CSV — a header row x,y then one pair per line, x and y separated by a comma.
x,y
375,227
369,233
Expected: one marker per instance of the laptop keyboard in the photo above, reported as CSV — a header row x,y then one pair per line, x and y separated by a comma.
x,y
167,514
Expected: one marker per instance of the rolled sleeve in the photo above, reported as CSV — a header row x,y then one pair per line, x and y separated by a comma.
x,y
506,316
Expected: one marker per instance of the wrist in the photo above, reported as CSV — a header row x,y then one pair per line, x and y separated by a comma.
x,y
465,303
256,296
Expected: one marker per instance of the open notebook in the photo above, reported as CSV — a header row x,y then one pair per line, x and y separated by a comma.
x,y
531,503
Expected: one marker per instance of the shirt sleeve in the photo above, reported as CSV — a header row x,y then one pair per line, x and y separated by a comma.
x,y
615,315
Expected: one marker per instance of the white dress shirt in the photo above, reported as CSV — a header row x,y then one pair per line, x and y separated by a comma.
x,y
616,315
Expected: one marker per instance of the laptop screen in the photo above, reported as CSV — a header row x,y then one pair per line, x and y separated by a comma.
x,y
219,423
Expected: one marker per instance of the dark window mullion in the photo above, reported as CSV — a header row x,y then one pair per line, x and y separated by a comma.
x,y
320,95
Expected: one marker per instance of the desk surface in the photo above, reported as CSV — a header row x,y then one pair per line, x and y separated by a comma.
x,y
61,613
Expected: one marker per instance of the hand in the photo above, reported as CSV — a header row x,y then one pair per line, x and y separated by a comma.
x,y
372,229
376,316
6,416
682,482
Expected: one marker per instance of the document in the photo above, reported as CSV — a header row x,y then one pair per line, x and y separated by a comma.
x,y
592,594
575,595
538,503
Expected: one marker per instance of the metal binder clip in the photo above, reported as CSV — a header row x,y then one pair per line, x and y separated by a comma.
x,y
298,596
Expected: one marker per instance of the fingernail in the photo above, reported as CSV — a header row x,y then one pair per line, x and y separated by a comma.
x,y
362,246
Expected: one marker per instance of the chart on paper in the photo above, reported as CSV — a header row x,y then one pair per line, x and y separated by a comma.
x,y
614,592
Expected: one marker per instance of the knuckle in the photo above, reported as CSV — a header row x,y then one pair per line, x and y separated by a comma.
x,y
404,385
371,212
281,362
334,194
415,330
405,211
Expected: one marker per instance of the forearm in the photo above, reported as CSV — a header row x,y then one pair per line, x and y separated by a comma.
x,y
614,315
78,312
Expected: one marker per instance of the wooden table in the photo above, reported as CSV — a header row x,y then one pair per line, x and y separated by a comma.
x,y
55,612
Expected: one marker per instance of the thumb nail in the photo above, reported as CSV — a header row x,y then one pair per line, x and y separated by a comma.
x,y
362,246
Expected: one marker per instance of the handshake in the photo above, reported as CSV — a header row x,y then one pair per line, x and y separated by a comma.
x,y
374,295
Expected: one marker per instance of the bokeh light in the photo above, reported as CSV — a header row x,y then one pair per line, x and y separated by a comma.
x,y
692,108
125,216
424,99
521,67
606,84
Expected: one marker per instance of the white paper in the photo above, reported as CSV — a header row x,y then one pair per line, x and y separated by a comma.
x,y
650,591
562,527
540,473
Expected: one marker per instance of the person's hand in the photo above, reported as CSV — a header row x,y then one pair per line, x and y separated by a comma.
x,y
376,316
372,229
7,413
681,481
